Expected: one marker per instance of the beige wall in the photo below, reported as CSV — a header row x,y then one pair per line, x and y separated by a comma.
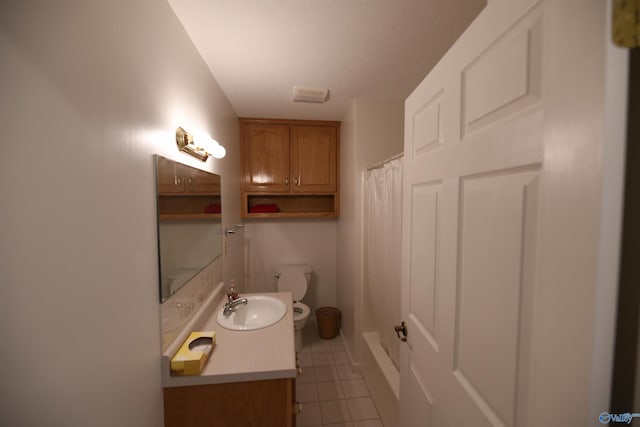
x,y
372,130
90,91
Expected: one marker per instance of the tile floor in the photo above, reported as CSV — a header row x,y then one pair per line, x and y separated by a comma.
x,y
331,391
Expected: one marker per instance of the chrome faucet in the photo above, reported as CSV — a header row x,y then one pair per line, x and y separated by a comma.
x,y
231,304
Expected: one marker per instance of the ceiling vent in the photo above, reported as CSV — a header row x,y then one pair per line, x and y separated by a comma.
x,y
307,94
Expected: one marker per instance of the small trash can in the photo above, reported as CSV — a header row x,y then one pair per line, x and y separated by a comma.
x,y
328,322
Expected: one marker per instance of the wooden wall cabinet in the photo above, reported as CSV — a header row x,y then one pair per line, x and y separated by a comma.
x,y
292,164
267,403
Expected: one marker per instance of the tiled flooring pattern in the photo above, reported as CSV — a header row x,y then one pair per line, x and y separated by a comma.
x,y
331,391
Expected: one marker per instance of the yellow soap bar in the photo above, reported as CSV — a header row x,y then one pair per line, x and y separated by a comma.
x,y
193,354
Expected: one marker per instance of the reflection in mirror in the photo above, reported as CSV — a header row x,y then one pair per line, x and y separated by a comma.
x,y
189,223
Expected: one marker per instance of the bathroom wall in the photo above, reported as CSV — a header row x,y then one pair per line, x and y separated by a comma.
x,y
372,130
288,241
90,91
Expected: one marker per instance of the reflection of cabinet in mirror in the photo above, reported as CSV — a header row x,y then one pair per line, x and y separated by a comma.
x,y
290,166
186,193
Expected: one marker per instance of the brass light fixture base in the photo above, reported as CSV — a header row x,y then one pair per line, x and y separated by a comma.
x,y
186,144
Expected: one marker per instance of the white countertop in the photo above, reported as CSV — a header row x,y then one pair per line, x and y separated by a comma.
x,y
263,354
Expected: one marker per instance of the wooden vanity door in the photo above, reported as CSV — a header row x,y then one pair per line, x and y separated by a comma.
x,y
266,403
266,157
314,159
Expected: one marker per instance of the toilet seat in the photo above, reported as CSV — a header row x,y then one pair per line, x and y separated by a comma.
x,y
300,311
295,279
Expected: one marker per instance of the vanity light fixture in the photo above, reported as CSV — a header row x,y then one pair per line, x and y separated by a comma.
x,y
200,146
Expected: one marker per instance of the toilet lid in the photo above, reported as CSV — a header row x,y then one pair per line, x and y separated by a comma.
x,y
294,283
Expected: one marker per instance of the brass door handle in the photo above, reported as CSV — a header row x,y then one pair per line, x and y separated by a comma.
x,y
401,331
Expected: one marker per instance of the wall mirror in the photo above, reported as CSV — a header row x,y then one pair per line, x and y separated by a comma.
x,y
189,222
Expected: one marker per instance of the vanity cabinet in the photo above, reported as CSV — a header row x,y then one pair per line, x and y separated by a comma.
x,y
266,403
185,192
292,164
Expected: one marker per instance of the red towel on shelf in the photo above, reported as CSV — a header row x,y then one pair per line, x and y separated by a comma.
x,y
212,208
264,208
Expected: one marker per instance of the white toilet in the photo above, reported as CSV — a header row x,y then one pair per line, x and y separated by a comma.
x,y
295,279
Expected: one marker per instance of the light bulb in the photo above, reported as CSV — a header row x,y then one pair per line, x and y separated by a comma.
x,y
218,150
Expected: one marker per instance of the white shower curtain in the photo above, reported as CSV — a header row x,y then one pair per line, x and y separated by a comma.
x,y
383,233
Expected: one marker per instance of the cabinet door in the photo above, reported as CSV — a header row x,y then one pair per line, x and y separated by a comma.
x,y
314,159
170,177
264,403
266,157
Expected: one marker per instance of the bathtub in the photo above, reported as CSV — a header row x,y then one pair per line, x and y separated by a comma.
x,y
382,379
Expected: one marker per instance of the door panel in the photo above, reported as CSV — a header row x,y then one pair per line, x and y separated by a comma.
x,y
424,278
494,211
504,78
427,125
421,406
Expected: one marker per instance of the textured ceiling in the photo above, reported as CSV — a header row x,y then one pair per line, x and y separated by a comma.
x,y
259,49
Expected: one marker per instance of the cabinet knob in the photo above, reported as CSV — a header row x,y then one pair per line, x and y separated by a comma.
x,y
295,181
297,408
286,180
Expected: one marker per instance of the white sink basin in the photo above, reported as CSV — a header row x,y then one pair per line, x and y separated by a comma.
x,y
259,312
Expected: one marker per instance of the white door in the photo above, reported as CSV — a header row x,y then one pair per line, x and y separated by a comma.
x,y
503,277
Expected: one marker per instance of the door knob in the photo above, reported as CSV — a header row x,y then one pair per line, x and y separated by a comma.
x,y
401,331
